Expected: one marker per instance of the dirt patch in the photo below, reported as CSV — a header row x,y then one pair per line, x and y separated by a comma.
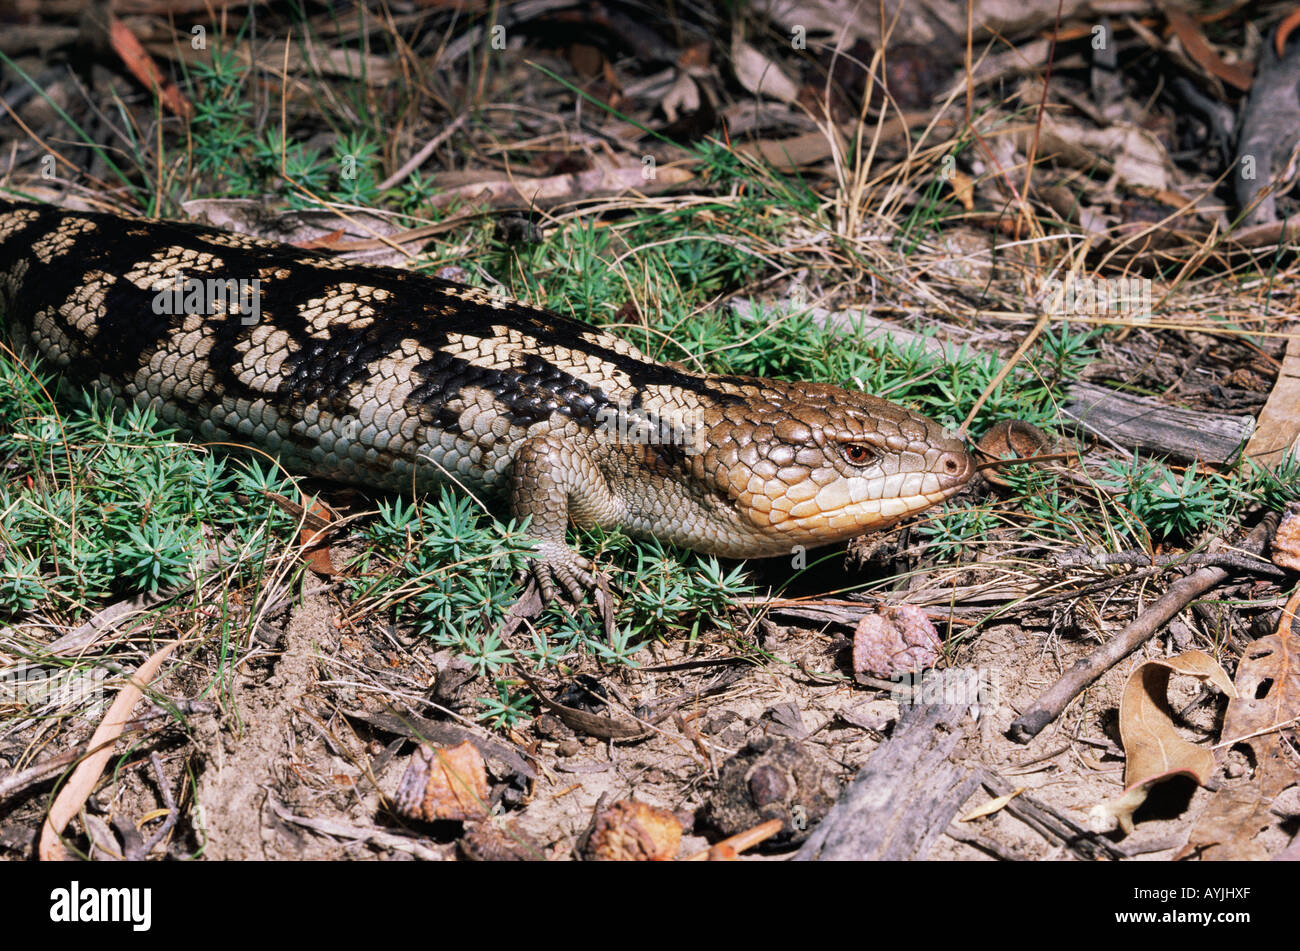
x,y
306,754
255,758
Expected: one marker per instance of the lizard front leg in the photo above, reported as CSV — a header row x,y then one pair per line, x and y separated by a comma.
x,y
555,481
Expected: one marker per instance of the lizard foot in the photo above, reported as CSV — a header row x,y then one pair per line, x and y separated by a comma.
x,y
556,562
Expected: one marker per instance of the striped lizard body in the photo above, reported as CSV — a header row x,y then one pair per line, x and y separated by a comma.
x,y
389,379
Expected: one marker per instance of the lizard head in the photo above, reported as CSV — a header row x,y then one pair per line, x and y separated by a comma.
x,y
811,464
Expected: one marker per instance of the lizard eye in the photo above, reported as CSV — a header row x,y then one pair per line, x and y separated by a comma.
x,y
858,455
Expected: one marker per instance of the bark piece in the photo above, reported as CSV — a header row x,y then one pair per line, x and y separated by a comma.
x,y
904,798
1143,423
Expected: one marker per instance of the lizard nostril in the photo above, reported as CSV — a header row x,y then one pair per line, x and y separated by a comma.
x,y
955,467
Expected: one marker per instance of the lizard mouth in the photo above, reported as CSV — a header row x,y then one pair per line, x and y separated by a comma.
x,y
812,515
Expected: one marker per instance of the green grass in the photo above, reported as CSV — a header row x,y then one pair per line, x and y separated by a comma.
x,y
105,505
236,156
450,571
109,504
1132,503
100,506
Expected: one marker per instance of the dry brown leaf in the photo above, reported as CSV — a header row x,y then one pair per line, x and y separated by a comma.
x,y
1278,432
371,68
809,147
359,236
683,97
314,541
894,640
992,806
1154,750
760,75
632,831
1136,156
1267,703
963,188
444,783
316,519
1286,540
83,778
600,182
592,724
1284,30
145,69
1202,53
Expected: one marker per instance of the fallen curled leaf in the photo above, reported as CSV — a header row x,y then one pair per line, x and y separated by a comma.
x,y
895,640
760,75
1255,727
325,241
963,188
491,841
1286,540
632,831
143,67
444,783
1202,53
582,721
1153,749
1284,30
82,781
601,181
992,806
695,56
316,519
315,546
1012,439
682,97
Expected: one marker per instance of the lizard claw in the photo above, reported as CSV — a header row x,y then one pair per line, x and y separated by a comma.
x,y
555,561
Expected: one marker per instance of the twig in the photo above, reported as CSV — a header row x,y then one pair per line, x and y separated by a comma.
x,y
983,843
1050,823
1075,593
1050,705
728,848
416,160
1216,559
82,781
173,813
14,783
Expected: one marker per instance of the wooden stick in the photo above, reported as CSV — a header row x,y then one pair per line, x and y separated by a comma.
x,y
1051,704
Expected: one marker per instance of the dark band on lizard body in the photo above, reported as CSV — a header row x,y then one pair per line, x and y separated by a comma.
x,y
386,378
